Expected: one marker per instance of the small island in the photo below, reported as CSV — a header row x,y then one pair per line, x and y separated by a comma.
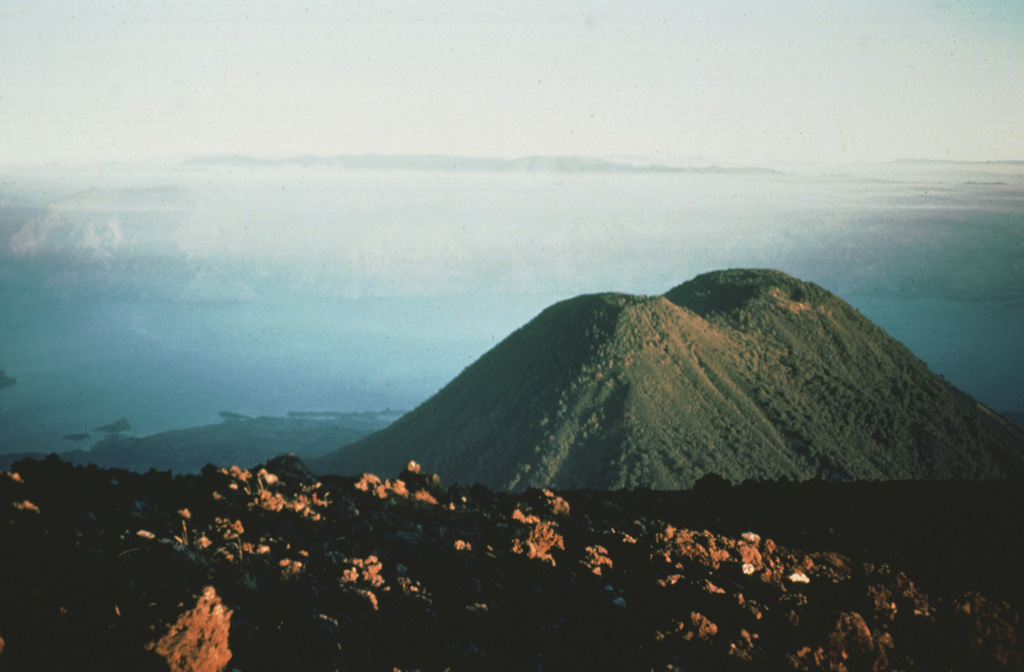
x,y
229,415
116,427
78,436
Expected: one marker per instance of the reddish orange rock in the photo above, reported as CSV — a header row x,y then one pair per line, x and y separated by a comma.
x,y
198,640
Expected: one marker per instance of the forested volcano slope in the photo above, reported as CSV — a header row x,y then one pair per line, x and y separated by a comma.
x,y
743,373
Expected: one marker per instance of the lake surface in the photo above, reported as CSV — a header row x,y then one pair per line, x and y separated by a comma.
x,y
166,294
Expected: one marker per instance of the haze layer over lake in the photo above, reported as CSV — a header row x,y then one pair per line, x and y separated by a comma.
x,y
166,293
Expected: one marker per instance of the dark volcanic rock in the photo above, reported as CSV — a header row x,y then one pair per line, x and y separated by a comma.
x,y
745,373
279,570
8,459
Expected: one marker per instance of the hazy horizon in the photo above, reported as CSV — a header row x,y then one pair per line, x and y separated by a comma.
x,y
735,82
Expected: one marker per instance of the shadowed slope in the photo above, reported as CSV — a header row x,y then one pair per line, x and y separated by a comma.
x,y
748,374
511,404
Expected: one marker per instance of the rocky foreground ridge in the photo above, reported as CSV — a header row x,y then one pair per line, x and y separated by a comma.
x,y
743,373
276,569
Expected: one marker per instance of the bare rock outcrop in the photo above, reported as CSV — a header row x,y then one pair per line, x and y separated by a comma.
x,y
198,640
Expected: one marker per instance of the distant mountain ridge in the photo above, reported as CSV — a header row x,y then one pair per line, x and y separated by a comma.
x,y
742,373
442,162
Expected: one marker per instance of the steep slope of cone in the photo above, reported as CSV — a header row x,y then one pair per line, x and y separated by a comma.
x,y
744,373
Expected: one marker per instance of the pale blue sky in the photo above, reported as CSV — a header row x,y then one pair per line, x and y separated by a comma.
x,y
738,82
